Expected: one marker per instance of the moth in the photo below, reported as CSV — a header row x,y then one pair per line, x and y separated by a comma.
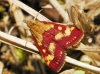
x,y
53,39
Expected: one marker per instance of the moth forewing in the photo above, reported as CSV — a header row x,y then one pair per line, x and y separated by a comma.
x,y
52,53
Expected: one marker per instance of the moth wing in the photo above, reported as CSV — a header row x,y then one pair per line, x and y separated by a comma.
x,y
43,36
65,35
53,54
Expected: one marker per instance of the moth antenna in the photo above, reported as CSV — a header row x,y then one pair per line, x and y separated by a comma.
x,y
37,15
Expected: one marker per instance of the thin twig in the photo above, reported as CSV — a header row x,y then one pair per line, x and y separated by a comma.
x,y
83,65
11,40
29,10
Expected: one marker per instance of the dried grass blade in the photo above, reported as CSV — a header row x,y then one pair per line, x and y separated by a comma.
x,y
95,11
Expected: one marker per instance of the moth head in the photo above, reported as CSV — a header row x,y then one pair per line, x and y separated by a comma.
x,y
30,23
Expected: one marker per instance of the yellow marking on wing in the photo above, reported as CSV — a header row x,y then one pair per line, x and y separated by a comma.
x,y
44,50
67,43
59,36
72,28
49,58
61,53
59,28
57,63
37,29
43,26
51,47
48,62
67,31
75,37
52,26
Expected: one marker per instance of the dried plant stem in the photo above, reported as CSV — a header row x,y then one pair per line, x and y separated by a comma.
x,y
86,48
93,55
29,10
11,40
61,11
94,11
83,65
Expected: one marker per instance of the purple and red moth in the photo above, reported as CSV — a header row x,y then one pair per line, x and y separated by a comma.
x,y
53,39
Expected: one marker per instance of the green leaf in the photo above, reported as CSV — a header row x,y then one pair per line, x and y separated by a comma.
x,y
20,53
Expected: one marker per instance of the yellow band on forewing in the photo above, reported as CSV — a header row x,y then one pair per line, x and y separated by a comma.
x,y
49,58
51,48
